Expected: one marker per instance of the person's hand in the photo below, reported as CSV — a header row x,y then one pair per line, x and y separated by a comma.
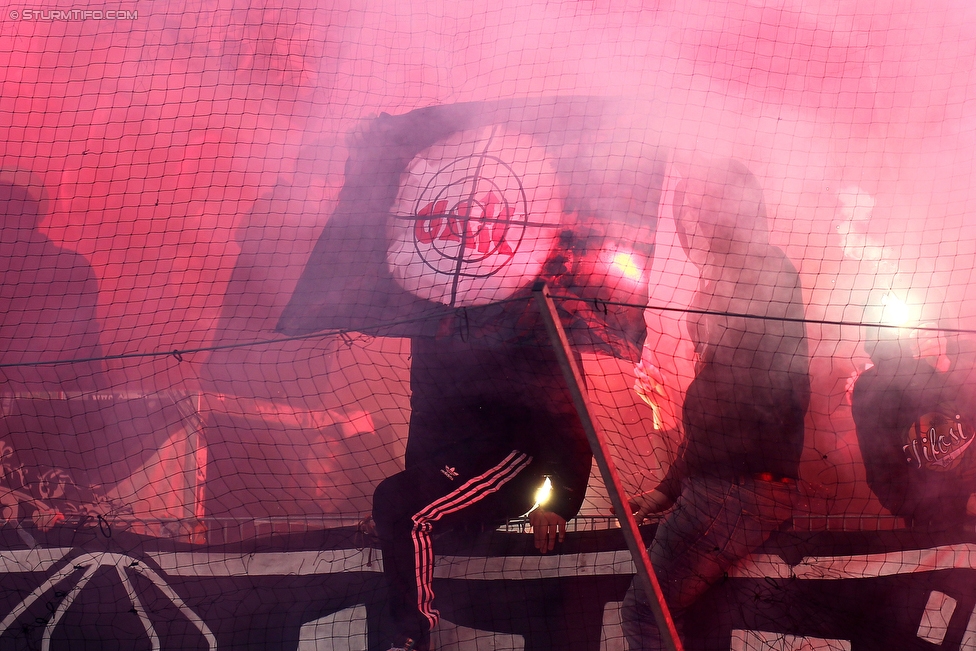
x,y
971,506
547,527
367,527
646,504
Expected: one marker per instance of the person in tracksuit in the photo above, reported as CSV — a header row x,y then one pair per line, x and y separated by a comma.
x,y
490,423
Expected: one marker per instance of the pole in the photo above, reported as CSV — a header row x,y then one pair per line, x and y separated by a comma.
x,y
628,524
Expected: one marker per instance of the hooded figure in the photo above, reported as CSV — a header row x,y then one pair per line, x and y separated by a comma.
x,y
48,297
743,413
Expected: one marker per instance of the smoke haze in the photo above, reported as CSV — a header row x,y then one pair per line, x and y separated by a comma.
x,y
193,151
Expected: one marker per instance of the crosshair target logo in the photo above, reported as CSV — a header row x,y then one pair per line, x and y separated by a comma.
x,y
467,228
472,229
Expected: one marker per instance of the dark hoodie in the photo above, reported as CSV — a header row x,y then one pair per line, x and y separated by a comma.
x,y
914,428
490,397
743,413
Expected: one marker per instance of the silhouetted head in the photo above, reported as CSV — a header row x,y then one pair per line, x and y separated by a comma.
x,y
719,208
23,199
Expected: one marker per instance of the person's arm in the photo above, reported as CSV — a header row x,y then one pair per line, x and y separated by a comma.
x,y
563,452
646,504
670,487
565,461
874,404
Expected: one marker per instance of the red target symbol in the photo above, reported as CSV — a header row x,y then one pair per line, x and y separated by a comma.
x,y
462,228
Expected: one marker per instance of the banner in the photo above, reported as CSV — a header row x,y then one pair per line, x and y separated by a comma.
x,y
449,214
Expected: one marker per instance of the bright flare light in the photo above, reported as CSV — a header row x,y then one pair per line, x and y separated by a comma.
x,y
626,265
894,311
542,495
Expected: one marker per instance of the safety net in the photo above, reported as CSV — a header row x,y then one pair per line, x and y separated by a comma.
x,y
261,258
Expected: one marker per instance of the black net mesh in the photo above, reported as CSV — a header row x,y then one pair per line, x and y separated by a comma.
x,y
260,259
